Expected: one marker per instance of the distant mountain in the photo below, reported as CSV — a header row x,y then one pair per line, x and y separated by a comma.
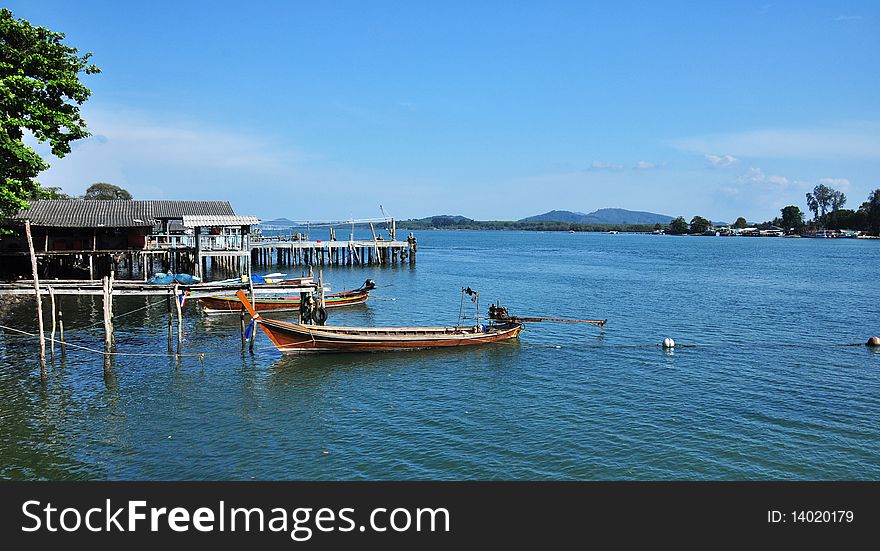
x,y
601,216
442,220
558,216
279,223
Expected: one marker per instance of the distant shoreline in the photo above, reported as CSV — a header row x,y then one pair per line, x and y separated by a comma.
x,y
401,226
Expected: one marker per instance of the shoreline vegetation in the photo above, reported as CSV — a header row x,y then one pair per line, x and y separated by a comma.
x,y
503,225
830,219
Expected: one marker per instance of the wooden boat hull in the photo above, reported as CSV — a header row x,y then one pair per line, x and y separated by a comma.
x,y
230,305
296,338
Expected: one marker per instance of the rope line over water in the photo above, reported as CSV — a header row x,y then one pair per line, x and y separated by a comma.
x,y
115,316
207,354
107,353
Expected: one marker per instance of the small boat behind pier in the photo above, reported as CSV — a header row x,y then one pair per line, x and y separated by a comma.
x,y
220,304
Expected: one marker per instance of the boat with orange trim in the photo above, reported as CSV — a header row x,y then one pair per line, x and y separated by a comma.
x,y
291,337
220,304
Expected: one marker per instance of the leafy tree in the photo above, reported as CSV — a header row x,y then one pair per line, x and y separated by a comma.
x,y
836,199
699,224
813,205
824,199
106,192
871,210
40,92
792,217
819,200
740,223
678,226
845,219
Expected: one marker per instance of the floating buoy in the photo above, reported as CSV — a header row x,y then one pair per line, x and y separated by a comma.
x,y
668,343
873,341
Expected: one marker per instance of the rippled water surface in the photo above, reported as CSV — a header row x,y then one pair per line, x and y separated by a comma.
x,y
764,395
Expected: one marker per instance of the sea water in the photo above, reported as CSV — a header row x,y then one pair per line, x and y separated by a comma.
x,y
759,391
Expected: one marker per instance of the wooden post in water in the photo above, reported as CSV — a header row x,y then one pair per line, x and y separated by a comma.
x,y
321,302
108,325
54,319
375,242
110,282
179,318
62,344
108,328
27,229
241,323
168,300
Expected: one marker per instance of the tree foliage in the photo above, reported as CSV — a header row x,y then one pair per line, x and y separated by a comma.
x,y
40,93
678,226
699,224
740,223
103,191
792,217
824,199
845,219
871,210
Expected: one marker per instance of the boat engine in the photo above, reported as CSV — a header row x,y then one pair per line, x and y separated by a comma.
x,y
306,309
498,312
368,285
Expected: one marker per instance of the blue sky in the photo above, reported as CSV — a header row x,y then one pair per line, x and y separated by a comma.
x,y
492,110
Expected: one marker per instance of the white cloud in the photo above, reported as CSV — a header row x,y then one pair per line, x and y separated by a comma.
x,y
125,145
758,176
603,165
721,161
850,141
648,165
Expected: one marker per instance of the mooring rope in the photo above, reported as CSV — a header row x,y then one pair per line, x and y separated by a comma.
x,y
115,316
206,354
106,353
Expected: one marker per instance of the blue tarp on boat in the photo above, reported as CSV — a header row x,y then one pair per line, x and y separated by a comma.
x,y
170,278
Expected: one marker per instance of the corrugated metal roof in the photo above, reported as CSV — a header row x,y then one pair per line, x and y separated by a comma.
x,y
200,221
117,213
178,209
87,214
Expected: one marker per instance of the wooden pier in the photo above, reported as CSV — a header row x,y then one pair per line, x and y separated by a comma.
x,y
268,252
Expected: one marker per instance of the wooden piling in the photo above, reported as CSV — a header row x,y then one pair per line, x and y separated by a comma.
x,y
168,300
375,241
110,281
54,320
241,323
108,339
63,345
179,318
27,229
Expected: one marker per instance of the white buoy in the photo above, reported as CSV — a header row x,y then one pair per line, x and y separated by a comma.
x,y
668,343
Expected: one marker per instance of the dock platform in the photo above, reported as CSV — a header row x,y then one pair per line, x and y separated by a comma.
x,y
266,252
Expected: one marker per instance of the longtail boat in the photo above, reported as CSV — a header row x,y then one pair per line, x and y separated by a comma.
x,y
218,304
296,338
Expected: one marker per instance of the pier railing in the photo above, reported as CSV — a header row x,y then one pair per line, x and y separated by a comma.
x,y
273,251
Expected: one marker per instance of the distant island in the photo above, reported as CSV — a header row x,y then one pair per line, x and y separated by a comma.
x,y
609,219
825,203
602,217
